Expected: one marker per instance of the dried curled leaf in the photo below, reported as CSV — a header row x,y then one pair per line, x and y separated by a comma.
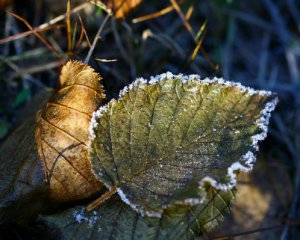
x,y
22,185
115,220
62,133
121,8
164,139
4,3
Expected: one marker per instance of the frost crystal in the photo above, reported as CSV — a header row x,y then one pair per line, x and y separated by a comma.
x,y
80,217
263,122
244,164
192,201
134,207
137,82
94,124
248,158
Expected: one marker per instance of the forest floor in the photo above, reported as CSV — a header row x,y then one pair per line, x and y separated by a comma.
x,y
256,43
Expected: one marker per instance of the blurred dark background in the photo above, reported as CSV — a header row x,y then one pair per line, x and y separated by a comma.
x,y
252,42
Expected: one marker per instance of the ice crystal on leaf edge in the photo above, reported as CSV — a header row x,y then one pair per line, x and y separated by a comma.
x,y
247,159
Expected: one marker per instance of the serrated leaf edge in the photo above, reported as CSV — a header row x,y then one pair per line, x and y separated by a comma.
x,y
248,159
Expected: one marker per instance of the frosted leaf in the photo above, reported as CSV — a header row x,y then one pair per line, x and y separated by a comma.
x,y
116,220
202,131
82,217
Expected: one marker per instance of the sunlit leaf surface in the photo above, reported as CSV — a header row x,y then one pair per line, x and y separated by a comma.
x,y
163,139
63,130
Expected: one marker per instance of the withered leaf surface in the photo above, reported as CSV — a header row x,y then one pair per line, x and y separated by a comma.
x,y
121,8
162,140
62,133
22,185
116,220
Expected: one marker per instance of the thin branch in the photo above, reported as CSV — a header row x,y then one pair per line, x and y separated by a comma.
x,y
101,199
48,24
87,59
36,34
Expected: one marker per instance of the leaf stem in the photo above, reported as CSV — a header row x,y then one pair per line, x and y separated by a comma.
x,y
101,199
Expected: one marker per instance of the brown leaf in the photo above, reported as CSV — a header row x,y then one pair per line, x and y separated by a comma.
x,y
121,7
62,133
4,3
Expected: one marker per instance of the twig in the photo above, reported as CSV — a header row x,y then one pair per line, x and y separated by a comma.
x,y
62,17
50,23
83,33
87,59
36,33
24,34
101,200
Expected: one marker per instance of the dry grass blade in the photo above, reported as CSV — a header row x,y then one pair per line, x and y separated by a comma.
x,y
63,16
201,35
68,23
39,36
87,59
106,60
196,50
189,12
183,18
154,15
45,26
83,33
27,33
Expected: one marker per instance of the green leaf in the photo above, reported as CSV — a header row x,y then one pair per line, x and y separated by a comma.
x,y
163,139
116,220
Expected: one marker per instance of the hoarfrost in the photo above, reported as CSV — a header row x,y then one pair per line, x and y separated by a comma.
x,y
249,158
134,207
94,123
132,85
194,77
149,125
80,217
246,162
192,201
263,122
